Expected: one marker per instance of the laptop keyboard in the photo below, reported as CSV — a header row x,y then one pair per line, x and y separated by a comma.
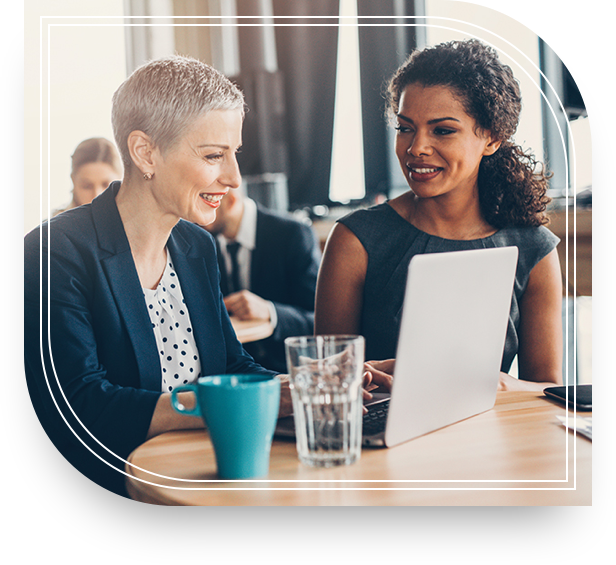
x,y
374,421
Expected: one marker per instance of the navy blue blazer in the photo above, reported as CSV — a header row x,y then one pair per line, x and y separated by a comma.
x,y
95,377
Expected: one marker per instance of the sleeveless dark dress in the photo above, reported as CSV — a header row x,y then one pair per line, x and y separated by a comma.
x,y
391,242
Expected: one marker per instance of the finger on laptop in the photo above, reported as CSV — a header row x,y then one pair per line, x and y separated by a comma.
x,y
381,373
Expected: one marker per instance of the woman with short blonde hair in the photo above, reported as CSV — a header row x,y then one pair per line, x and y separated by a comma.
x,y
128,298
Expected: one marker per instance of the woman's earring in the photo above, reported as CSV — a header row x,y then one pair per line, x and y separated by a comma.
x,y
148,176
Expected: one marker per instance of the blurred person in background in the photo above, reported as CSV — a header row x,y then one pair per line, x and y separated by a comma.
x,y
269,264
95,163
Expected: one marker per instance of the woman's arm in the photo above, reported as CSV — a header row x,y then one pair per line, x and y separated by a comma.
x,y
340,284
540,333
339,298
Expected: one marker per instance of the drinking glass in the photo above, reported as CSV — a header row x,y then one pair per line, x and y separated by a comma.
x,y
325,381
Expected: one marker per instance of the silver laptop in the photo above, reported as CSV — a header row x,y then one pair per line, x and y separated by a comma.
x,y
450,348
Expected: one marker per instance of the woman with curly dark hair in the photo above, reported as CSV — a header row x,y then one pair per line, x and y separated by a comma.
x,y
456,108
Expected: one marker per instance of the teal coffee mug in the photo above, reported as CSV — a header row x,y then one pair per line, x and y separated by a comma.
x,y
240,413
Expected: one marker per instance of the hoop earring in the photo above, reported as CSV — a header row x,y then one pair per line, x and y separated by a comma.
x,y
148,176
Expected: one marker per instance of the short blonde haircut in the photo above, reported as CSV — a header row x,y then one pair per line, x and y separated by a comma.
x,y
163,97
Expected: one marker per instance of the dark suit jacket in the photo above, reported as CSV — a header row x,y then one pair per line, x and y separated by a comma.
x,y
284,268
95,377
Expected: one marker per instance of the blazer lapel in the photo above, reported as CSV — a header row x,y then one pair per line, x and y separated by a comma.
x,y
125,287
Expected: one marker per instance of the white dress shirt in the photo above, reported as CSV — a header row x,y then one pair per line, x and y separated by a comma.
x,y
179,356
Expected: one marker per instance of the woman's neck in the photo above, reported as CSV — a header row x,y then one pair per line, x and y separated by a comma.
x,y
147,229
446,217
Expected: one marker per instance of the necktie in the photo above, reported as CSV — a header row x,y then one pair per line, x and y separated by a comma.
x,y
232,248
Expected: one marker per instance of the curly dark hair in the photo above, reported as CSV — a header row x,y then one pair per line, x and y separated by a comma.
x,y
512,183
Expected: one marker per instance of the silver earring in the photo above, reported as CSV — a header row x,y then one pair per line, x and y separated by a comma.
x,y
148,176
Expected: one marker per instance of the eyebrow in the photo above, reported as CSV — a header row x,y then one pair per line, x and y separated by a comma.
x,y
430,122
213,145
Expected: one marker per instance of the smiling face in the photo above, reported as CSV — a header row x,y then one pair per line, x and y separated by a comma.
x,y
192,177
438,145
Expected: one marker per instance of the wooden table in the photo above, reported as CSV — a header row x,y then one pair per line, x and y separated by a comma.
x,y
251,330
518,453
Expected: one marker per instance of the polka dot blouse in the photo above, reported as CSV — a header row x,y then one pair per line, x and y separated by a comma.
x,y
179,357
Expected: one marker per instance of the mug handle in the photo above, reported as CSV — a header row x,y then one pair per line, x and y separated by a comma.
x,y
179,407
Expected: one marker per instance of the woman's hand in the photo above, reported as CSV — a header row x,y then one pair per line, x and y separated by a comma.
x,y
381,373
377,375
286,403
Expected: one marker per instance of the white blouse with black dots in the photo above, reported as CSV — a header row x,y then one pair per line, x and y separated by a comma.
x,y
179,357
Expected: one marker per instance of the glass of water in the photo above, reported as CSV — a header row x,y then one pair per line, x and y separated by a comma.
x,y
325,381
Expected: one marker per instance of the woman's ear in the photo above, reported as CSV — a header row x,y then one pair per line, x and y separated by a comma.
x,y
492,146
142,151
